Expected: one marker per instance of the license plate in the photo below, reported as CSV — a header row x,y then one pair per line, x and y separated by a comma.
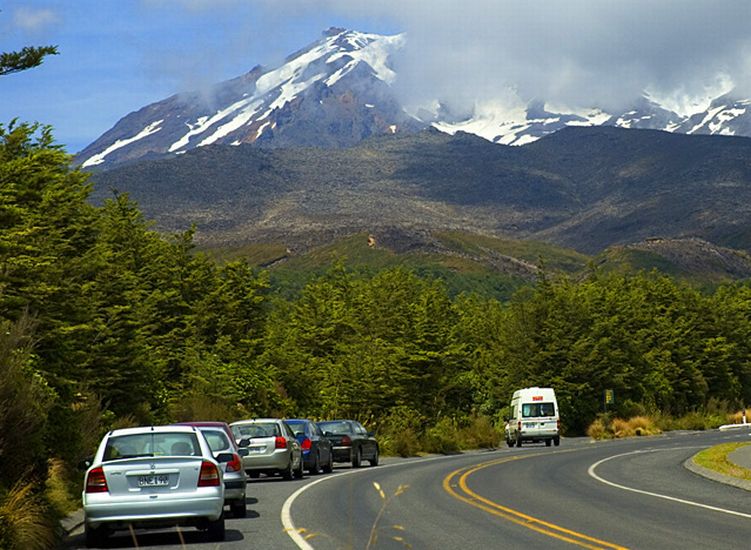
x,y
530,425
158,480
257,450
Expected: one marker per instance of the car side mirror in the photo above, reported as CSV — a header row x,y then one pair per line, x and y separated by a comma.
x,y
244,442
224,457
371,434
243,452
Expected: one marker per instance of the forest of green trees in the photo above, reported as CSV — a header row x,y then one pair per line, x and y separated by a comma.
x,y
104,323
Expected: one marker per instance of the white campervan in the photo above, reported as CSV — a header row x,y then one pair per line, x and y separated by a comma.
x,y
534,417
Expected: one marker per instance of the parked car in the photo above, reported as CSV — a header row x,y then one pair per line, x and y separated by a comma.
x,y
271,445
221,440
154,476
316,449
351,442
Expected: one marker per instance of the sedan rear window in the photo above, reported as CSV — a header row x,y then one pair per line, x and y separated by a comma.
x,y
259,429
336,427
151,444
216,439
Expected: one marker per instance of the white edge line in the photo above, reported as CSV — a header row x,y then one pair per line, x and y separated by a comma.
x,y
288,524
591,472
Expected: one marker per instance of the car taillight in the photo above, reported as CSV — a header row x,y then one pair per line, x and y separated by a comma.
x,y
96,482
209,476
305,444
558,424
280,442
346,440
236,464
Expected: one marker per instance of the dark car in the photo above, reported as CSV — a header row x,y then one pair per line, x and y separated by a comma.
x,y
317,452
351,442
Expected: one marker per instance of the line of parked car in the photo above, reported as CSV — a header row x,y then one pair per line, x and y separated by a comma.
x,y
184,474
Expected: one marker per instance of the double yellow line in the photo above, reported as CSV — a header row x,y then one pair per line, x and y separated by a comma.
x,y
455,484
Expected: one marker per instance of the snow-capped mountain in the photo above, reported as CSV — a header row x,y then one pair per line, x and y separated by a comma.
x,y
334,93
338,91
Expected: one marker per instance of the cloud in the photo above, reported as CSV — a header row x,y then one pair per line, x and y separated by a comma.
x,y
577,53
34,19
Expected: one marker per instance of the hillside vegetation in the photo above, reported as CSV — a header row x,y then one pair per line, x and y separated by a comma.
x,y
585,189
106,322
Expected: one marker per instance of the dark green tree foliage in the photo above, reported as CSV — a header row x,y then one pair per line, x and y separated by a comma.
x,y
357,347
46,229
28,57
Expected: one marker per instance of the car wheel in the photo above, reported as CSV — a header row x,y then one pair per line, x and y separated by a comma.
x,y
254,475
329,466
95,537
557,440
287,472
548,442
374,461
357,458
299,472
238,508
316,467
215,530
510,442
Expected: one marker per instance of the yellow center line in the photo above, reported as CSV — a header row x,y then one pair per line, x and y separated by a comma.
x,y
536,524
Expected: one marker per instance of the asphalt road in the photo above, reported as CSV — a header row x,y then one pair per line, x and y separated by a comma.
x,y
616,494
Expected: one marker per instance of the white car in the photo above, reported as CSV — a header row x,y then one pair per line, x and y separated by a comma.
x,y
154,476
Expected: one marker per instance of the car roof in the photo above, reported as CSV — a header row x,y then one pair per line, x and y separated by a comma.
x,y
203,423
255,420
173,428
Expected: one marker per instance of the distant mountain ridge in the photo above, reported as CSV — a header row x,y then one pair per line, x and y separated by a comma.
x,y
338,91
585,188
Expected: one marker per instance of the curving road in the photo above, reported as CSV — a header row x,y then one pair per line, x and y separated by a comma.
x,y
616,494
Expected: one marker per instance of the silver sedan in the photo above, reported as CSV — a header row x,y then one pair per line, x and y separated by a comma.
x,y
153,476
271,447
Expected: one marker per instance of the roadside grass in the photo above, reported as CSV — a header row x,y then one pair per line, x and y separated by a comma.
x,y
605,427
608,426
716,459
25,522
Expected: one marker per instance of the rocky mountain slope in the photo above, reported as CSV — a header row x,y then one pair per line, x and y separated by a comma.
x,y
339,91
586,188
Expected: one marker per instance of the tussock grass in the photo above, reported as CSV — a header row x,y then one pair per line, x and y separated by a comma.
x,y
25,519
59,487
606,428
716,458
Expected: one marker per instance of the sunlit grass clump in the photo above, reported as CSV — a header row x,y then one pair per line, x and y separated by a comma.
x,y
606,428
24,519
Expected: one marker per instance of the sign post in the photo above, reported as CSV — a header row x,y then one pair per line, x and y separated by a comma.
x,y
609,399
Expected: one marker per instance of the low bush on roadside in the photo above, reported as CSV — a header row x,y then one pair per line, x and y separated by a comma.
x,y
479,434
399,432
443,438
605,427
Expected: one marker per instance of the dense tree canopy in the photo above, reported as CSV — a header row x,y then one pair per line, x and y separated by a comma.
x,y
105,322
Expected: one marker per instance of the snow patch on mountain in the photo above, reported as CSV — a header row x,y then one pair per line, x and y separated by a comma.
x,y
99,158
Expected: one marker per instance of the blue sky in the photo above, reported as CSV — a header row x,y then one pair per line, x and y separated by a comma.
x,y
117,56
